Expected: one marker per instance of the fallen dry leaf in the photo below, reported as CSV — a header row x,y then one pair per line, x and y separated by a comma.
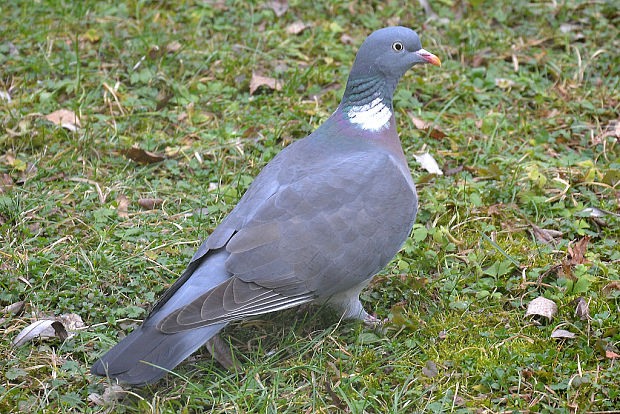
x,y
14,308
615,285
71,321
28,173
64,118
427,127
279,7
150,203
296,27
427,162
577,251
545,236
257,81
430,369
612,130
45,328
221,352
123,203
6,182
112,394
143,156
543,307
562,333
582,310
173,46
480,57
504,83
346,39
611,354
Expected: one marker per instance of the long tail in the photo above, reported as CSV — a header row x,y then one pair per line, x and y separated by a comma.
x,y
139,358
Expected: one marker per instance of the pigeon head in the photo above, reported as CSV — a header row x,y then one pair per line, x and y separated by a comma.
x,y
381,61
390,52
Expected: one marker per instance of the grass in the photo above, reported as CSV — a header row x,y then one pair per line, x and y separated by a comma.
x,y
527,99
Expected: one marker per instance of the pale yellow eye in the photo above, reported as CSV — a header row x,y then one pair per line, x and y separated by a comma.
x,y
397,46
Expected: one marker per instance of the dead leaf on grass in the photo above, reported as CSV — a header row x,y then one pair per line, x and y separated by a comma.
x,y
612,130
45,328
60,327
173,46
123,204
582,310
14,308
65,118
221,352
346,39
427,127
257,81
615,285
6,182
427,162
150,203
546,236
542,307
143,156
503,83
577,251
598,212
430,369
562,333
611,354
279,7
296,27
29,172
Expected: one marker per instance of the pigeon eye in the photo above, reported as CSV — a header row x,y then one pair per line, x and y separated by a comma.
x,y
397,46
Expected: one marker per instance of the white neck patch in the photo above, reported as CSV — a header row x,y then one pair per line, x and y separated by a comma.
x,y
373,116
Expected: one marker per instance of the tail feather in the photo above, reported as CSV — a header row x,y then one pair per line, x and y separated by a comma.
x,y
146,354
139,358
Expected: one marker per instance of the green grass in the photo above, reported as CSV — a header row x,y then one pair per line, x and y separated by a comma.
x,y
533,150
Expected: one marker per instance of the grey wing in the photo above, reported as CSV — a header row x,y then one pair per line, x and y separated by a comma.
x,y
325,233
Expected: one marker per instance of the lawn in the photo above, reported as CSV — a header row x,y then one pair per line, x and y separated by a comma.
x,y
165,123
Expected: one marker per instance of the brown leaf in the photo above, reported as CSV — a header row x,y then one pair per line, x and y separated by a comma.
x,y
346,39
296,27
427,127
615,285
44,328
427,162
221,352
64,118
578,250
279,7
150,203
54,177
430,369
143,156
29,172
543,307
123,203
71,321
611,354
582,310
173,46
480,57
612,130
258,81
14,308
6,182
545,236
112,394
453,171
562,333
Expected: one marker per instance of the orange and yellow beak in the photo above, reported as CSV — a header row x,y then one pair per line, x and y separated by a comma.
x,y
429,57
